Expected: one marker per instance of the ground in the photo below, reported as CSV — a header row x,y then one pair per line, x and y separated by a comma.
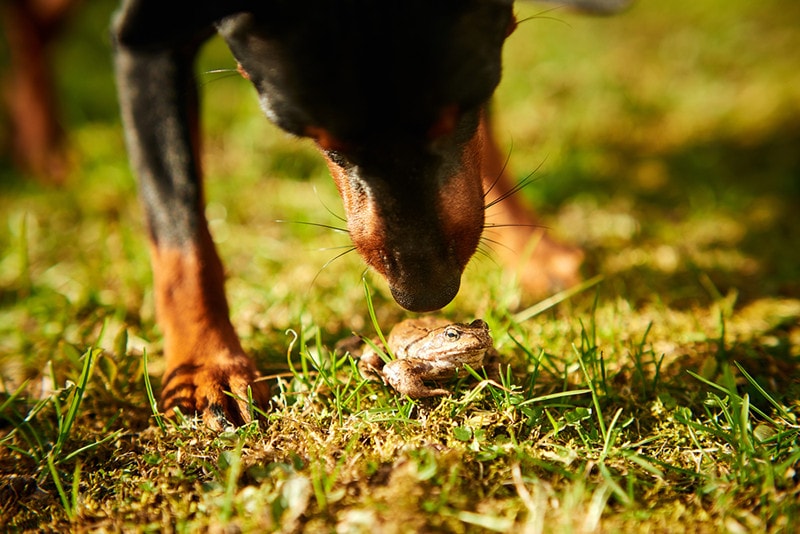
x,y
660,395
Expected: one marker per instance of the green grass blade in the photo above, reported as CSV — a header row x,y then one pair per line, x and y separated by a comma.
x,y
546,304
374,318
62,495
769,398
595,398
76,488
91,446
552,396
151,398
77,398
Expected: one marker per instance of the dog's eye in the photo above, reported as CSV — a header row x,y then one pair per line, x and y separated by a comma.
x,y
445,123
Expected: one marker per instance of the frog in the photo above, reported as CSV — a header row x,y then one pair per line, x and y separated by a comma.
x,y
429,349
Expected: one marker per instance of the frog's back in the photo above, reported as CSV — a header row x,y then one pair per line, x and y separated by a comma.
x,y
406,334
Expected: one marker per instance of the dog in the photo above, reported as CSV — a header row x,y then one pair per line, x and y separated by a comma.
x,y
28,95
394,93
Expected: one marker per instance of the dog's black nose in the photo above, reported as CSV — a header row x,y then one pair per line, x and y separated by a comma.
x,y
426,295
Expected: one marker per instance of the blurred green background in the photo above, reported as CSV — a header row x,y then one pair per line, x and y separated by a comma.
x,y
667,140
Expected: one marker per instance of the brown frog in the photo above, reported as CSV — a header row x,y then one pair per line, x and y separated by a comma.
x,y
429,349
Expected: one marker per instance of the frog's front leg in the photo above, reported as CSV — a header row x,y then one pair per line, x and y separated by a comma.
x,y
405,376
370,365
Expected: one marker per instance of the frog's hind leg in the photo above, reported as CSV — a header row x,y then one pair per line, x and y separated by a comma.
x,y
405,376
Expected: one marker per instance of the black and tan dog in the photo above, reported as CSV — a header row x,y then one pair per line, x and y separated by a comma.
x,y
394,92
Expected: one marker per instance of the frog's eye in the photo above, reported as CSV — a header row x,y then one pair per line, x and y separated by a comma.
x,y
452,334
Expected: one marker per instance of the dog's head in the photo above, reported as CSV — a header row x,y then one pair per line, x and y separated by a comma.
x,y
393,93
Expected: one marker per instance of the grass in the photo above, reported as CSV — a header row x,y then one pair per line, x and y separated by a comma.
x,y
661,395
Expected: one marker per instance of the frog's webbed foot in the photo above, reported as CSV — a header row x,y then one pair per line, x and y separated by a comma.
x,y
405,376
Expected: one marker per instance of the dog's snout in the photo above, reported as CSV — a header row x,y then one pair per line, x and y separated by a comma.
x,y
423,273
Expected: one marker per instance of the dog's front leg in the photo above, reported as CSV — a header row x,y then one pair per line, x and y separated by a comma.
x,y
207,371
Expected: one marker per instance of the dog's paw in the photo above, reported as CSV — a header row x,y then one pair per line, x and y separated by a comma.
x,y
217,389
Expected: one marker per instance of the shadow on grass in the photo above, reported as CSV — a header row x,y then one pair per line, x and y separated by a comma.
x,y
726,209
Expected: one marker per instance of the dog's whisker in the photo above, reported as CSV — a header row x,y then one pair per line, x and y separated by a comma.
x,y
327,208
487,241
492,226
491,241
218,71
487,218
341,254
320,225
486,254
339,247
330,261
522,184
224,75
542,15
502,171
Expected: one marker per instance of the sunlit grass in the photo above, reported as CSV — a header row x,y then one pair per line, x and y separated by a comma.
x,y
659,395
